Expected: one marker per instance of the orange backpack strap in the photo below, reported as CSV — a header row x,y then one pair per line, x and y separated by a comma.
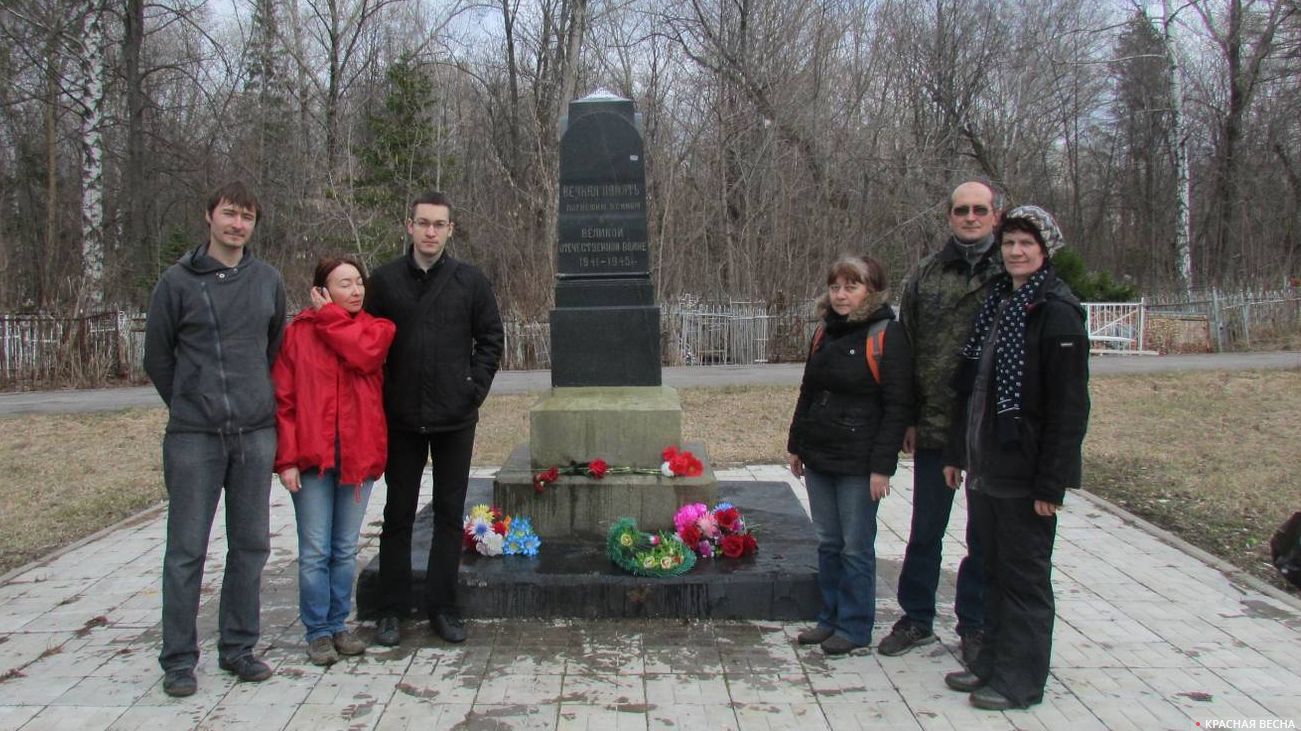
x,y
875,349
817,339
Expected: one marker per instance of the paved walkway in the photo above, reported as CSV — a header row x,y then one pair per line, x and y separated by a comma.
x,y
779,374
1149,636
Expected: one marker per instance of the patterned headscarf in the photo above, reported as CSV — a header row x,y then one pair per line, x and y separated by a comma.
x,y
1042,220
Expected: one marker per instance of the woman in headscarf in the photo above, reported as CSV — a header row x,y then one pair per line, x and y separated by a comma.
x,y
1023,410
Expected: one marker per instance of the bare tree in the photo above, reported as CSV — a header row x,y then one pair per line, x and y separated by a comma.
x,y
1244,34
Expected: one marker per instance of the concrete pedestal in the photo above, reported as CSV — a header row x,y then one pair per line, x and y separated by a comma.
x,y
624,425
584,507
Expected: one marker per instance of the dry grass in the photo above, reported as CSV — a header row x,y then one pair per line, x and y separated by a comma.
x,y
1206,455
67,476
1209,456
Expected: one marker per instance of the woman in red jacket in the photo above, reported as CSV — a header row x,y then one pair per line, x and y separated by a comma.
x,y
331,443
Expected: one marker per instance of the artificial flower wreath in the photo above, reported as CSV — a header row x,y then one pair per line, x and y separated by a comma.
x,y
648,554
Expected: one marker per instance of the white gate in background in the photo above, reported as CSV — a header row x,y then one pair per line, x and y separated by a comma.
x,y
1115,327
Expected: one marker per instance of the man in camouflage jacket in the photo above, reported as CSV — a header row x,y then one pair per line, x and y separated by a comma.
x,y
938,303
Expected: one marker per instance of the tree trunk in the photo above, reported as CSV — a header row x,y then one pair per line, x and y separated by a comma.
x,y
90,102
135,176
1179,145
43,258
513,162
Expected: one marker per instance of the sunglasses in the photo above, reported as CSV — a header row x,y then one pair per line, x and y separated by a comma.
x,y
964,210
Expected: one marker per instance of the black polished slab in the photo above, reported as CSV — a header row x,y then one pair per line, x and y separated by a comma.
x,y
605,327
576,579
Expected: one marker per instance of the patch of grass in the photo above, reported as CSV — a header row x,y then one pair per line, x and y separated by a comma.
x,y
740,424
67,476
503,425
1209,456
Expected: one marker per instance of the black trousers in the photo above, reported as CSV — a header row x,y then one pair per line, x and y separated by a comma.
x,y
408,452
1019,608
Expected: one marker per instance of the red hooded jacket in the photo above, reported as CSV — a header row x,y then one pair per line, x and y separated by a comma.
x,y
329,380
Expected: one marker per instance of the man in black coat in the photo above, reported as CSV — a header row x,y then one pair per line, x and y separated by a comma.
x,y
448,344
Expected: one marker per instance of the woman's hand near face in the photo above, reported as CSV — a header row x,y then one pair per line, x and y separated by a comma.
x,y
880,485
289,476
319,297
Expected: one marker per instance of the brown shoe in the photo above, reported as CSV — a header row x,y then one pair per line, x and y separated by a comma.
x,y
348,643
320,651
840,645
814,635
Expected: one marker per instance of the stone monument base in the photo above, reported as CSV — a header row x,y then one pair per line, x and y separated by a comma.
x,y
571,578
627,425
584,508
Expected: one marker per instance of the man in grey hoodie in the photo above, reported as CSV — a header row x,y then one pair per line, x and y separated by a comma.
x,y
214,325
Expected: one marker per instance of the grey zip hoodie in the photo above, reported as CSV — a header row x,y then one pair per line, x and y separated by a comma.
x,y
210,339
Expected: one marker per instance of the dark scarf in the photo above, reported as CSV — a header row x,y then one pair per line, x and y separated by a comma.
x,y
1009,351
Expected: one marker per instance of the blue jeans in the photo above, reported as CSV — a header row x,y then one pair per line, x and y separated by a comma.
x,y
844,518
329,522
920,575
196,469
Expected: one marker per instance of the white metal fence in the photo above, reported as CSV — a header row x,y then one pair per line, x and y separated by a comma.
x,y
42,350
1235,318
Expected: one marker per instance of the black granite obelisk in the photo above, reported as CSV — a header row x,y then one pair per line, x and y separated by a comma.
x,y
605,328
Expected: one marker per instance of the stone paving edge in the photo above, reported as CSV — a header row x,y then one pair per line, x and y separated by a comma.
x,y
1233,573
140,517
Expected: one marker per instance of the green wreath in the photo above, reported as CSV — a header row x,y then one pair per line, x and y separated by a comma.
x,y
648,554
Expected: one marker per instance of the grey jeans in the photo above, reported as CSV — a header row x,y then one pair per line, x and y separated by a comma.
x,y
196,468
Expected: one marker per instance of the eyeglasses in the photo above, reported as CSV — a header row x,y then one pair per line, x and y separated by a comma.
x,y
423,224
961,211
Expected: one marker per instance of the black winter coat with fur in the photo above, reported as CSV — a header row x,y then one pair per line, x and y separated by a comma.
x,y
845,422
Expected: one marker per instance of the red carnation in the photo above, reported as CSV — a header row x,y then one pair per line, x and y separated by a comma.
x,y
727,518
597,467
541,479
467,541
751,545
685,464
694,467
669,453
690,535
499,527
678,464
733,546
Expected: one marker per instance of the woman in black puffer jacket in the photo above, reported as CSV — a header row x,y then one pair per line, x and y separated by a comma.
x,y
855,403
